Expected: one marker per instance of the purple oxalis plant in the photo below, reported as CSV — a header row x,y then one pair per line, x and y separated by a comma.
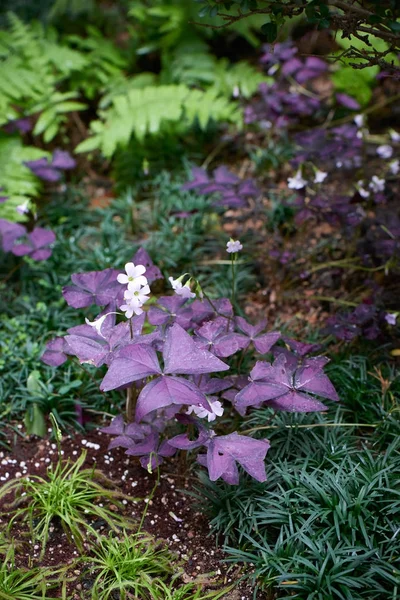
x,y
233,192
172,373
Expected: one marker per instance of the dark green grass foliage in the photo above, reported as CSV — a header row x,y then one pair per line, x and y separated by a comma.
x,y
326,524
312,532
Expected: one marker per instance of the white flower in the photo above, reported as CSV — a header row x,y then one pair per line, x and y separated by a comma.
x,y
217,410
236,91
390,318
361,190
376,184
395,136
133,274
384,151
97,323
22,209
181,290
394,166
339,164
135,296
297,182
359,120
320,176
233,246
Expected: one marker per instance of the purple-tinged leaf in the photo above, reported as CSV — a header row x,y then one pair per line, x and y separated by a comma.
x,y
263,343
172,310
85,343
54,355
200,178
182,442
37,247
63,160
141,257
145,446
347,101
121,441
223,176
9,232
256,393
283,385
211,386
22,125
181,356
301,348
116,427
131,363
165,391
312,379
224,451
295,402
94,287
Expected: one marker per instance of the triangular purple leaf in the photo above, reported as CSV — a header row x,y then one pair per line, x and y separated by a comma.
x,y
164,391
131,363
181,356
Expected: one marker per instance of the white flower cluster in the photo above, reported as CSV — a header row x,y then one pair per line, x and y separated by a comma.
x,y
376,185
217,410
138,289
298,182
180,289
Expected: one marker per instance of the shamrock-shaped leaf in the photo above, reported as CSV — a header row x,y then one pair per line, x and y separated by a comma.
x,y
131,363
94,287
224,451
181,355
165,391
284,385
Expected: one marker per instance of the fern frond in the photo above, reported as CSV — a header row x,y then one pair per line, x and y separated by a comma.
x,y
207,106
145,111
17,182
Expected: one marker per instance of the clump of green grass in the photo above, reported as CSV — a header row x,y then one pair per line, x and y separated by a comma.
x,y
129,565
138,566
17,583
70,496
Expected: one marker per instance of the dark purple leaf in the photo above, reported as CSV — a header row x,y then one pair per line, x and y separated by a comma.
x,y
165,391
9,232
54,355
63,160
131,363
182,356
347,101
95,287
182,442
200,178
85,343
224,451
173,310
223,176
295,402
116,427
141,257
37,247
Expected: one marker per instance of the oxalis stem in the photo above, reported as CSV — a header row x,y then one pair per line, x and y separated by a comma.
x,y
311,426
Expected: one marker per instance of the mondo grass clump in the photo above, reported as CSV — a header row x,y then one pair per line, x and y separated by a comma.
x,y
321,529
